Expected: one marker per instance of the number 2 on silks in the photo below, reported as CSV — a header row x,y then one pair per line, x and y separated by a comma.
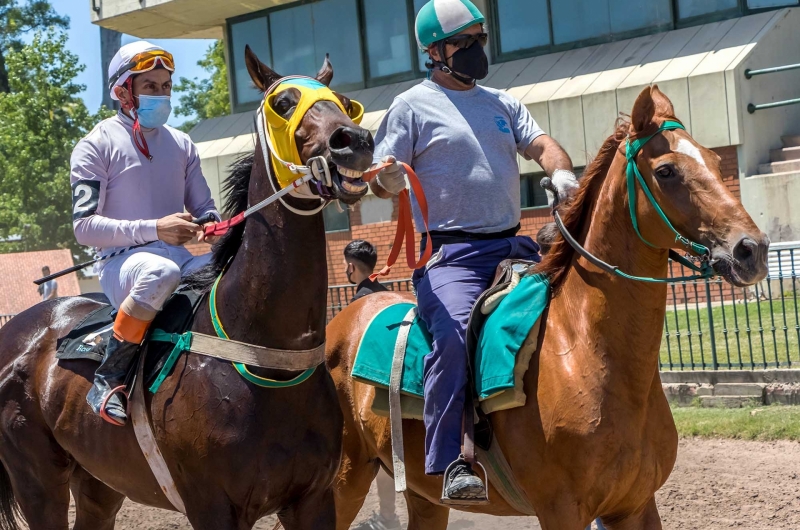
x,y
85,198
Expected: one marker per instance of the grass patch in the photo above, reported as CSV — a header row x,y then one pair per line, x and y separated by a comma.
x,y
749,334
761,423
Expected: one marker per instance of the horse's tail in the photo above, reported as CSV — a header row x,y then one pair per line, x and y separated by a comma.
x,y
9,509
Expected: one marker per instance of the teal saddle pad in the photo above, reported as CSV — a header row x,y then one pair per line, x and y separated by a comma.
x,y
504,331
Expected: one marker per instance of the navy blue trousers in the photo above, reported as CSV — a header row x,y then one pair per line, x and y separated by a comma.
x,y
446,291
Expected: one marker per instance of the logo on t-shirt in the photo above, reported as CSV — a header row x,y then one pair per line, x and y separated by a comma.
x,y
502,124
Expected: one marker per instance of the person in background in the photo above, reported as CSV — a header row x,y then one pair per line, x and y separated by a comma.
x,y
48,290
360,258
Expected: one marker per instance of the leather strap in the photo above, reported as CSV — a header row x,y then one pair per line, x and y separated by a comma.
x,y
501,476
405,222
147,440
395,414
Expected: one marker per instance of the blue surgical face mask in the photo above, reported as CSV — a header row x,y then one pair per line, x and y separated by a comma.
x,y
153,111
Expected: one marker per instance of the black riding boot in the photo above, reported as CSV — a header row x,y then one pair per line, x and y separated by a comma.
x,y
110,375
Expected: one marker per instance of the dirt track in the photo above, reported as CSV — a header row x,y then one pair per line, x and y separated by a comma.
x,y
716,484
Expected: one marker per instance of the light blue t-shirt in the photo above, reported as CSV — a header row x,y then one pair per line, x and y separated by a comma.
x,y
463,145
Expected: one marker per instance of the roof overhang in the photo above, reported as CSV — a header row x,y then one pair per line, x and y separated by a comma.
x,y
171,19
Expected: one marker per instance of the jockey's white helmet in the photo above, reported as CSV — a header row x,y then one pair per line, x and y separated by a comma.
x,y
136,57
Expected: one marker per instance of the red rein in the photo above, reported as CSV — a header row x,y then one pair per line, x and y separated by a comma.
x,y
405,223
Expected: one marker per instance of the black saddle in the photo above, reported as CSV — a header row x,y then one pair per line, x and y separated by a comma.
x,y
87,341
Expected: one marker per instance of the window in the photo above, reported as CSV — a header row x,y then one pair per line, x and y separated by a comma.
x,y
532,195
255,33
388,37
577,20
696,8
336,221
525,24
760,4
422,57
300,38
372,43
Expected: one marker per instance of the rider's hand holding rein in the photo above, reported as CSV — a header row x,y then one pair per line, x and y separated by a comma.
x,y
390,181
177,229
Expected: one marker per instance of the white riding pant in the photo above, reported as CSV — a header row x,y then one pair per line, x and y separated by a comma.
x,y
149,274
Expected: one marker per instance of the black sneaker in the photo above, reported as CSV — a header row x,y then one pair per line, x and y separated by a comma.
x,y
463,486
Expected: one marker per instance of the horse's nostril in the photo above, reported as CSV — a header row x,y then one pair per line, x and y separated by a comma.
x,y
342,138
745,249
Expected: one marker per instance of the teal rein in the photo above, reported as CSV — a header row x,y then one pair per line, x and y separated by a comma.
x,y
633,175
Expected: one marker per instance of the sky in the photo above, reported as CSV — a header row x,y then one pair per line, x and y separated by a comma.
x,y
84,41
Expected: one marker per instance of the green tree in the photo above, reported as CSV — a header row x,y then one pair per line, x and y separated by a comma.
x,y
206,98
41,119
16,20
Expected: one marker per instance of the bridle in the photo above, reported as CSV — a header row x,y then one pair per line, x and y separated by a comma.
x,y
701,263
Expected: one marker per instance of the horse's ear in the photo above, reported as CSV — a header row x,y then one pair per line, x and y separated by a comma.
x,y
644,110
663,105
325,74
262,75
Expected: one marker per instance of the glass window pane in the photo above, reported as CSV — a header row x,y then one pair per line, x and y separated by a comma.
x,y
522,24
575,20
628,15
532,194
344,44
254,33
334,219
757,4
292,49
388,31
693,8
421,56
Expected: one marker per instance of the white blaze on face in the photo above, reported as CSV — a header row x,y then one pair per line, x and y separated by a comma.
x,y
688,148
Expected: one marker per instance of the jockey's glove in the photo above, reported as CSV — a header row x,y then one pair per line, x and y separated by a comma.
x,y
391,178
566,183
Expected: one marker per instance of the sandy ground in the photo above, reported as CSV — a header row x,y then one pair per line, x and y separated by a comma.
x,y
716,484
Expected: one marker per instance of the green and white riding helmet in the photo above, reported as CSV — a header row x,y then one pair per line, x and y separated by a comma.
x,y
440,19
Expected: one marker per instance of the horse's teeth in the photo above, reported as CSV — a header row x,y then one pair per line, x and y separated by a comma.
x,y
353,188
351,173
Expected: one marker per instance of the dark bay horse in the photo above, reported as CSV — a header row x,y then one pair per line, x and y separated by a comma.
x,y
237,451
596,437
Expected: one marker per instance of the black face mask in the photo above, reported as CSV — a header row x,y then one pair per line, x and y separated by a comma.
x,y
471,62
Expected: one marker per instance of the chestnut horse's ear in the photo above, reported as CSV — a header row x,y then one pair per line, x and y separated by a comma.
x,y
325,74
262,75
662,103
644,110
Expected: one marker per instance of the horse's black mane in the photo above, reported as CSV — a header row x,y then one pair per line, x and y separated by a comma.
x,y
235,190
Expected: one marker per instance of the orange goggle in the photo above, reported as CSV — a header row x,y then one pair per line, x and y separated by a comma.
x,y
144,62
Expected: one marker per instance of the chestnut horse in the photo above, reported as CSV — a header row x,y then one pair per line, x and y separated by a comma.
x,y
596,437
236,451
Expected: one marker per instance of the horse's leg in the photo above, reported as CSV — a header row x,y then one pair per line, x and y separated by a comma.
x,y
313,512
645,519
96,505
425,515
40,480
352,487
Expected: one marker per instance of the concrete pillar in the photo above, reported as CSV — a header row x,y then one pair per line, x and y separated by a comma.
x,y
110,42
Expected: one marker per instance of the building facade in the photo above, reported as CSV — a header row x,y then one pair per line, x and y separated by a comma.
x,y
575,64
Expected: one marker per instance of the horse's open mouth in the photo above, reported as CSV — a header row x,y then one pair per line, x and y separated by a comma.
x,y
348,186
726,266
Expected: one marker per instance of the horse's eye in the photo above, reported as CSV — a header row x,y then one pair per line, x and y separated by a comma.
x,y
665,171
284,106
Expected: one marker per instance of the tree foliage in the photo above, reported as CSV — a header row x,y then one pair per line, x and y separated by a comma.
x,y
16,20
41,119
206,98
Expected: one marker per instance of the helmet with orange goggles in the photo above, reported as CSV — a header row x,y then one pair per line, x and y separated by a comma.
x,y
144,62
136,58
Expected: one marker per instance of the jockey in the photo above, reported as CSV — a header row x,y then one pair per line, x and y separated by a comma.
x,y
132,176
462,140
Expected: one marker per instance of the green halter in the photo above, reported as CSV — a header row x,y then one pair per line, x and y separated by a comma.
x,y
633,175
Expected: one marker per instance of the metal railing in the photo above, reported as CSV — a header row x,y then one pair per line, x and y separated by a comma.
x,y
340,295
749,74
709,324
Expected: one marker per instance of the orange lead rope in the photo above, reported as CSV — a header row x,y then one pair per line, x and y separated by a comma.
x,y
405,223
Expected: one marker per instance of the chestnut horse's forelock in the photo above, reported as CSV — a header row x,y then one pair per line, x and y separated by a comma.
x,y
579,209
